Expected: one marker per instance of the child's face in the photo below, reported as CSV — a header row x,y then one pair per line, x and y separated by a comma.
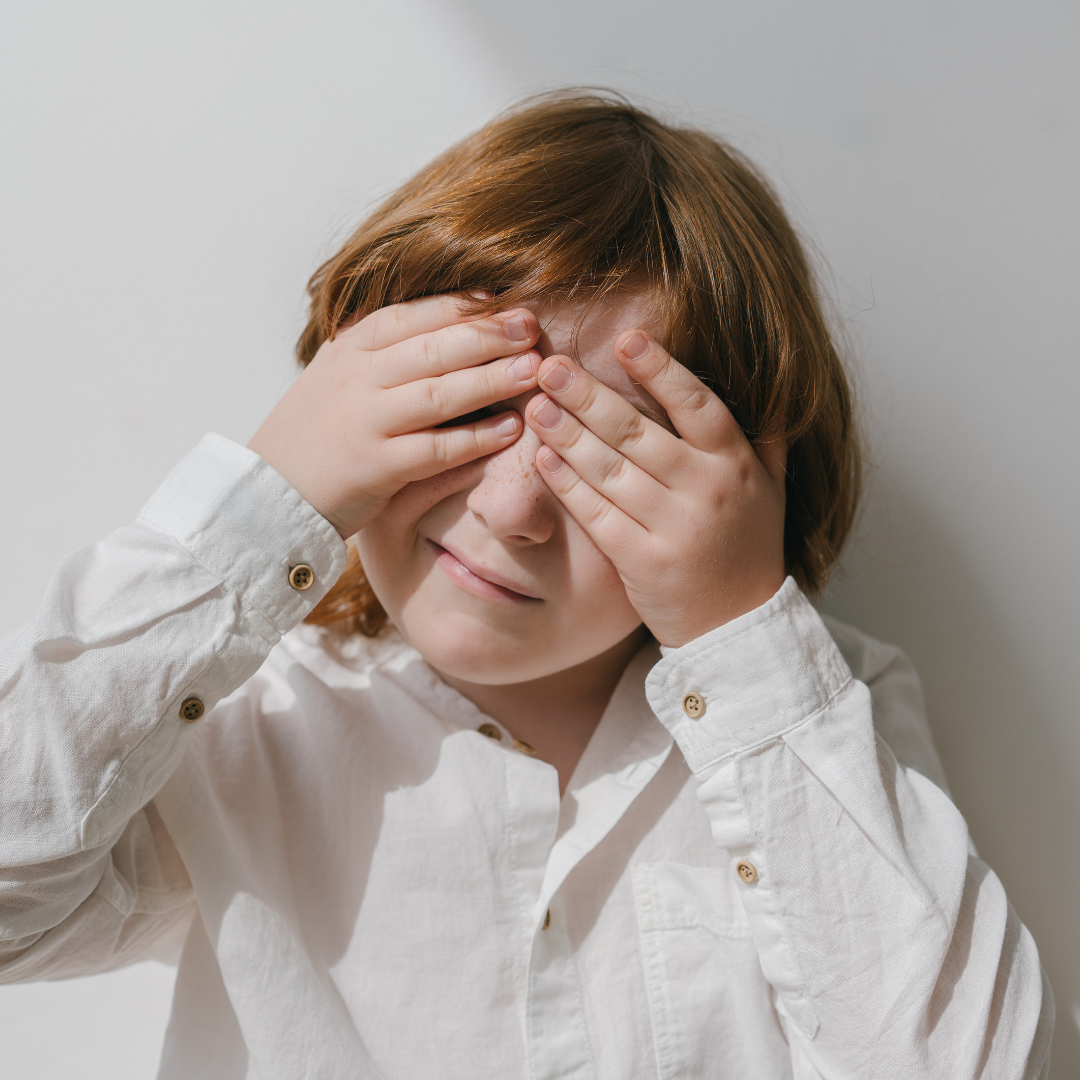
x,y
482,568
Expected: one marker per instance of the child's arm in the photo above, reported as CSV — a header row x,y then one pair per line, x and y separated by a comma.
x,y
176,609
892,949
140,635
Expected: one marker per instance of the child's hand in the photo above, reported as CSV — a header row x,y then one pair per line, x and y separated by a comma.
x,y
362,420
694,526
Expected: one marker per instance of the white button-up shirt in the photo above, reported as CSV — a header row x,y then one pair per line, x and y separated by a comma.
x,y
364,884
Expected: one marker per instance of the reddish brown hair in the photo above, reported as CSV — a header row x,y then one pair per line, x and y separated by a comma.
x,y
574,195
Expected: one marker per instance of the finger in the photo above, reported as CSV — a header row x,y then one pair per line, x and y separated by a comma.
x,y
699,416
458,346
427,403
612,530
611,474
611,417
421,454
398,322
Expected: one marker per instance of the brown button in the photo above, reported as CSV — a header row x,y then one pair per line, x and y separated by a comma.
x,y
491,731
192,709
547,920
301,577
524,747
693,705
747,871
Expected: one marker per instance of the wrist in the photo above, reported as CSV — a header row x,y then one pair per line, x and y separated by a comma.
x,y
309,484
710,613
753,679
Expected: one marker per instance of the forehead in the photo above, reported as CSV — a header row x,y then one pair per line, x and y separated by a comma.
x,y
591,340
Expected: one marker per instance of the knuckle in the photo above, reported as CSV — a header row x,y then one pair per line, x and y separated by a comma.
x,y
434,396
431,350
495,380
570,483
612,469
630,430
598,513
394,317
567,435
693,398
572,433
480,335
587,394
441,449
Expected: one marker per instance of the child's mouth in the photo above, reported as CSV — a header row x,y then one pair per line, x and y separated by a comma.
x,y
473,579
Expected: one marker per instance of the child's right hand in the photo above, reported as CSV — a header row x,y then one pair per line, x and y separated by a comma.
x,y
362,420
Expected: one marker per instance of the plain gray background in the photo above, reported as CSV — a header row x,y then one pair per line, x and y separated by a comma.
x,y
173,172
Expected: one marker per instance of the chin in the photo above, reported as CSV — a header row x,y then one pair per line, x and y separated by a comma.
x,y
465,648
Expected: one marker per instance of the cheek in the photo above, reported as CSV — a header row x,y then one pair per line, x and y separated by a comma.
x,y
595,594
388,546
399,523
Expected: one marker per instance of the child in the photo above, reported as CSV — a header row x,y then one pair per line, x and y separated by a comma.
x,y
553,771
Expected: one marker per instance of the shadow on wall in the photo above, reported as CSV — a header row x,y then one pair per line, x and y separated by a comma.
x,y
997,729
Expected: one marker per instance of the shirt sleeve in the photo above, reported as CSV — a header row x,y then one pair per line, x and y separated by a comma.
x,y
185,603
892,950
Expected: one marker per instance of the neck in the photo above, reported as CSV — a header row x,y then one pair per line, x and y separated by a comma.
x,y
556,715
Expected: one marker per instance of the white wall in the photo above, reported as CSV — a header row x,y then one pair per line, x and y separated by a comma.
x,y
173,173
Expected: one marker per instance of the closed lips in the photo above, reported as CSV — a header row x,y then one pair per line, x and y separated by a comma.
x,y
477,580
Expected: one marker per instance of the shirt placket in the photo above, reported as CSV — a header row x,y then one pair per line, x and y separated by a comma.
x,y
626,751
553,1026
546,838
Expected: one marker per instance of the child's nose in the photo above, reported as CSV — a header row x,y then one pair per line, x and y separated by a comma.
x,y
512,498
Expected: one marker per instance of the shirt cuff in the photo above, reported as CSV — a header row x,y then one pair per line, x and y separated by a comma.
x,y
747,681
244,522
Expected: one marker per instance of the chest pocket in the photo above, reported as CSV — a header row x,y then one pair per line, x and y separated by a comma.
x,y
711,1007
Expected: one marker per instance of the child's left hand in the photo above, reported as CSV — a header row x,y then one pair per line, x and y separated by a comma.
x,y
694,526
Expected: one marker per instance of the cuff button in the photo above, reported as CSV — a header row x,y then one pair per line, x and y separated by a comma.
x,y
301,577
747,872
192,709
693,705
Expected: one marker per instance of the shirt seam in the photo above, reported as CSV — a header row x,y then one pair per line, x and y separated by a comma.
x,y
293,511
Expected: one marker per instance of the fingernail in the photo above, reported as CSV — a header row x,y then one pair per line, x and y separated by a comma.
x,y
523,369
635,345
548,414
516,327
549,459
558,377
507,426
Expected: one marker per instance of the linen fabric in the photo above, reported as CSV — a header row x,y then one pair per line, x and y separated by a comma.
x,y
361,884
